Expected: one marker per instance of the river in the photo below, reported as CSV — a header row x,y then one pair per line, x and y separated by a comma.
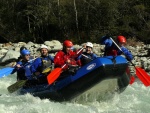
x,y
135,99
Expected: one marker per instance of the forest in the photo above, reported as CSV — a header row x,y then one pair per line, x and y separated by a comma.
x,y
77,20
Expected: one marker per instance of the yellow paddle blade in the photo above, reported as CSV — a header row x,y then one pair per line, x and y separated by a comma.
x,y
46,70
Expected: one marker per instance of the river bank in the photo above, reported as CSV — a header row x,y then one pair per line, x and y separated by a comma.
x,y
9,52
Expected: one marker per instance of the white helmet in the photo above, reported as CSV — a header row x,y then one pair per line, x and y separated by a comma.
x,y
43,46
89,44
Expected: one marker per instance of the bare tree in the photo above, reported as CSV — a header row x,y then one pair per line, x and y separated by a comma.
x,y
76,13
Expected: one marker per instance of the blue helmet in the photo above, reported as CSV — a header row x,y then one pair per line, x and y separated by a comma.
x,y
25,52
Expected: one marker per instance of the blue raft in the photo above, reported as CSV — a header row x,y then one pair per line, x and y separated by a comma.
x,y
86,77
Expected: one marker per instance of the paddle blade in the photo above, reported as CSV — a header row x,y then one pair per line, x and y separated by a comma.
x,y
6,71
46,70
54,75
132,79
143,76
14,87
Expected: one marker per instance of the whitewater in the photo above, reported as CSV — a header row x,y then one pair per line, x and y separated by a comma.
x,y
135,99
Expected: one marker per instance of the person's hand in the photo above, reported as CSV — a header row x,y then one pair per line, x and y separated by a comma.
x,y
84,46
68,61
18,66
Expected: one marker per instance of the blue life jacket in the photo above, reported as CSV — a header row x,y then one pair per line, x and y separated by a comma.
x,y
24,72
42,63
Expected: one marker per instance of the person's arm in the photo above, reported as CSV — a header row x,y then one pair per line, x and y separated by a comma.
x,y
37,62
17,67
51,58
106,41
77,53
127,53
78,61
58,59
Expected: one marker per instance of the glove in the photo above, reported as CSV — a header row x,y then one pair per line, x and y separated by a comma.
x,y
108,43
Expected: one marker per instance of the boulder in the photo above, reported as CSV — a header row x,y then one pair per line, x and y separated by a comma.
x,y
11,54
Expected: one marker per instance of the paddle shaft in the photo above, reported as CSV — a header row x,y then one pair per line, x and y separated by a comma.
x,y
86,57
146,77
121,50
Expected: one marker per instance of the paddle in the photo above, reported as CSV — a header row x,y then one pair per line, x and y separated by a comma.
x,y
141,74
86,56
14,87
132,79
6,71
48,69
57,71
7,61
19,84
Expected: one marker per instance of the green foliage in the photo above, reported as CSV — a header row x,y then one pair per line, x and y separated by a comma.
x,y
77,20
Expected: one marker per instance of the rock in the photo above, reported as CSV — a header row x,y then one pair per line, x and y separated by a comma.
x,y
21,44
54,44
11,54
3,51
17,49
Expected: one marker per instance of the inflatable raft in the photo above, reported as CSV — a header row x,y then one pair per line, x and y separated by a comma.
x,y
85,79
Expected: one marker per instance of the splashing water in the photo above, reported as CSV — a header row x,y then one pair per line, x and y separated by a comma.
x,y
135,99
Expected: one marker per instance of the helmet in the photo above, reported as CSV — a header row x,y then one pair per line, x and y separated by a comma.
x,y
67,43
22,48
89,44
25,52
121,39
43,46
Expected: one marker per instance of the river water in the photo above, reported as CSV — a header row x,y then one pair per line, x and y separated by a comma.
x,y
135,99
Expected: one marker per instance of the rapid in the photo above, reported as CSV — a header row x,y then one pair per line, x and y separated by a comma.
x,y
135,99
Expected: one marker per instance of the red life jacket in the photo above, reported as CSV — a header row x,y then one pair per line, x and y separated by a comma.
x,y
111,52
61,57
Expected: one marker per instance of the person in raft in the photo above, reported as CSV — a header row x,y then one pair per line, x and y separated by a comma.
x,y
88,55
40,64
67,58
112,50
23,66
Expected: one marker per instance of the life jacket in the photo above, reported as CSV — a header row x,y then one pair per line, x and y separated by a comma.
x,y
24,72
61,57
85,60
46,62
